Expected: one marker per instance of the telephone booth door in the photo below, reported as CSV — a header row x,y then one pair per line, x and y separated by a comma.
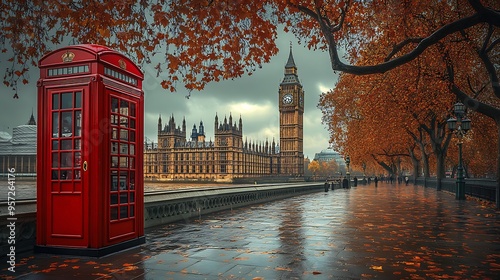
x,y
67,194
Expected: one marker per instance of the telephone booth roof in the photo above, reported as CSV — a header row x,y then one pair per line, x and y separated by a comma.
x,y
90,53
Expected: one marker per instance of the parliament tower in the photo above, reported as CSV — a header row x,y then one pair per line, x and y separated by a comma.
x,y
229,158
291,109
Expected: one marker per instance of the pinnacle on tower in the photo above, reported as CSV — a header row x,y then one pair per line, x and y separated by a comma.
x,y
290,63
32,119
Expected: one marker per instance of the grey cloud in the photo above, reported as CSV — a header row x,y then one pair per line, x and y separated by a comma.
x,y
259,89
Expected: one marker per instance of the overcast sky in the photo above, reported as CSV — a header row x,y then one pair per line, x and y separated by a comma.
x,y
254,97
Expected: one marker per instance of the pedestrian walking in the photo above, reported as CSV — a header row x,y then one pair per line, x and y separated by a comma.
x,y
376,181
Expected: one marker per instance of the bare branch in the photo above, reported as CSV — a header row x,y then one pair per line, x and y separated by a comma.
x,y
425,43
397,48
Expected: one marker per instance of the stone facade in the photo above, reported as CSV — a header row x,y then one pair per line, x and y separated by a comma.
x,y
228,158
174,158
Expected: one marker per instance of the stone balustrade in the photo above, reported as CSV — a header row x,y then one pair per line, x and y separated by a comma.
x,y
161,207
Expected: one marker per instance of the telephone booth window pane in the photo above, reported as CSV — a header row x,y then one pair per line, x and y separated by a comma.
x,y
123,198
123,162
123,180
124,149
66,145
78,159
55,124
77,174
132,123
55,145
132,180
132,197
114,213
66,100
114,161
132,149
65,174
114,133
132,136
131,162
132,109
78,124
124,121
66,160
78,99
78,144
114,119
55,160
132,212
123,134
55,101
114,105
123,212
67,119
114,199
124,107
114,182
114,147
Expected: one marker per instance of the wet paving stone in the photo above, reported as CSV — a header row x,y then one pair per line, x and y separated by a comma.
x,y
389,232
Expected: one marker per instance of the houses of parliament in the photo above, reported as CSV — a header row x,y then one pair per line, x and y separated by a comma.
x,y
229,158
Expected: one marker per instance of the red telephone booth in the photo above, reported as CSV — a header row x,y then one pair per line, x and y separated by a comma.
x,y
90,152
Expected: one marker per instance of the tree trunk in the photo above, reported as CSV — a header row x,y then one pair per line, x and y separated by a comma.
x,y
425,161
415,165
440,169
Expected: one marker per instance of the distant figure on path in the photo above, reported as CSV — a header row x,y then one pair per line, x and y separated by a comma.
x,y
345,183
376,181
407,180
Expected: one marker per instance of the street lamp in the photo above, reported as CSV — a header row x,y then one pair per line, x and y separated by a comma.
x,y
459,125
347,161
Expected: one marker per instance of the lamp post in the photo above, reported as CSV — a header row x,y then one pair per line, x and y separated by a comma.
x,y
347,161
459,125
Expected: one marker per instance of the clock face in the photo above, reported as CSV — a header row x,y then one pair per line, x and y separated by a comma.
x,y
287,99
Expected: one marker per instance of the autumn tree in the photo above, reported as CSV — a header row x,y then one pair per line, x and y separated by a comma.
x,y
199,40
417,97
207,40
470,24
314,167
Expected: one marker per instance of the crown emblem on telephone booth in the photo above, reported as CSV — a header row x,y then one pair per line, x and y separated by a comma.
x,y
68,56
122,64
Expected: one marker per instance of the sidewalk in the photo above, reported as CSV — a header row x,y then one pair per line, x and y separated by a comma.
x,y
389,232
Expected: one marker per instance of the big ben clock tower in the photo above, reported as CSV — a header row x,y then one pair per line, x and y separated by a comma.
x,y
291,108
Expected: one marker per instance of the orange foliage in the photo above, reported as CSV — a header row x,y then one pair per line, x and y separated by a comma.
x,y
372,117
208,40
429,46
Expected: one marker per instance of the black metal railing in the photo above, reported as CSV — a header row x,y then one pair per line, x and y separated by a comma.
x,y
480,188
